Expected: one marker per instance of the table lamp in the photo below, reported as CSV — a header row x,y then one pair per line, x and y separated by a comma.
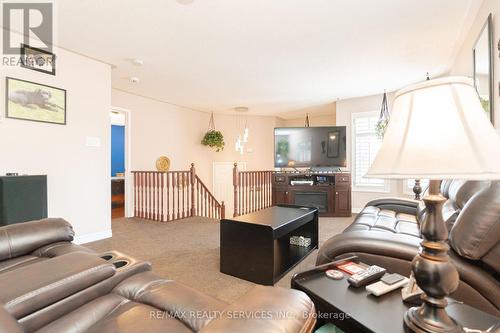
x,y
438,130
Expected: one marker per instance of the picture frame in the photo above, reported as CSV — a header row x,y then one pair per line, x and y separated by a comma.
x,y
482,58
38,60
26,100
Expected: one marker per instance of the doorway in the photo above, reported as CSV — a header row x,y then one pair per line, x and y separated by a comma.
x,y
120,157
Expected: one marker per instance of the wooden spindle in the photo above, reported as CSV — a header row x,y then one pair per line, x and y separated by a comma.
x,y
148,188
162,190
178,195
154,190
158,217
255,190
173,196
247,194
150,201
139,207
143,194
135,194
146,195
235,188
158,191
167,203
207,207
265,189
259,206
193,180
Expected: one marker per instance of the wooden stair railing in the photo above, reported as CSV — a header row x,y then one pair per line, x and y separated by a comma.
x,y
252,190
173,195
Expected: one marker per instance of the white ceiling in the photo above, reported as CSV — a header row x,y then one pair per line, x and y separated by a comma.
x,y
274,56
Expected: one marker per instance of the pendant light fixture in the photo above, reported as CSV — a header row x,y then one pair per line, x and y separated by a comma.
x,y
242,138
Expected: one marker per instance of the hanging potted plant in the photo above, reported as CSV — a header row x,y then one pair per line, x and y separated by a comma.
x,y
213,138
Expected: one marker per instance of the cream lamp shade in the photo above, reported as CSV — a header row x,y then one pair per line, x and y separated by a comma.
x,y
438,130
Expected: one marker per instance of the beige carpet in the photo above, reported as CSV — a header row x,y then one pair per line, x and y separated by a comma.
x,y
188,251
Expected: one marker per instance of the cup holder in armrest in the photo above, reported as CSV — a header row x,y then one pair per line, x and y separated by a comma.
x,y
124,263
107,257
120,263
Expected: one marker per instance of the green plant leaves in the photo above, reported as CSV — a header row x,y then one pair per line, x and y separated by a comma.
x,y
214,139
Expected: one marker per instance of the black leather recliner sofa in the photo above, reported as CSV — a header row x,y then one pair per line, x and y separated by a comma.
x,y
386,233
48,284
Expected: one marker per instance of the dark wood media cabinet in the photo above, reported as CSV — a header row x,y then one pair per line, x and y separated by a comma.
x,y
329,192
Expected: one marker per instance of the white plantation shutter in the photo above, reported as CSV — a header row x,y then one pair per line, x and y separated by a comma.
x,y
365,146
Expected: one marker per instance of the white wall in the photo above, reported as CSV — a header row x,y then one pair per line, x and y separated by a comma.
x,y
325,118
163,129
345,109
78,176
463,64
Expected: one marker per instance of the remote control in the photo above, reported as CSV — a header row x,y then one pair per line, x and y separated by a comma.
x,y
368,275
380,287
392,278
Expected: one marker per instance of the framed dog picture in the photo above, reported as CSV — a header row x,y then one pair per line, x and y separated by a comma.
x,y
36,102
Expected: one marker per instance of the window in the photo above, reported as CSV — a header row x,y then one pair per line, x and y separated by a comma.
x,y
365,145
408,185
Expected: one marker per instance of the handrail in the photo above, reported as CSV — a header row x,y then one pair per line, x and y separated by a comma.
x,y
215,209
173,195
252,190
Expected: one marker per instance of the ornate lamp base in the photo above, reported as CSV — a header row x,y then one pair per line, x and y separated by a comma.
x,y
433,270
437,321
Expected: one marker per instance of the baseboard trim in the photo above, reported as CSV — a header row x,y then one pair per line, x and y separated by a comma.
x,y
356,210
93,237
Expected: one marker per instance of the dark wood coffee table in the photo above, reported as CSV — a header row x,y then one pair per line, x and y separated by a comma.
x,y
353,310
256,247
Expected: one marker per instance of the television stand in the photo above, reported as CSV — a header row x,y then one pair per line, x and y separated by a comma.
x,y
330,192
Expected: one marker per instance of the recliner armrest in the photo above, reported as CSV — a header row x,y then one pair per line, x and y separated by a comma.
x,y
57,249
190,306
22,238
386,244
399,205
33,287
267,309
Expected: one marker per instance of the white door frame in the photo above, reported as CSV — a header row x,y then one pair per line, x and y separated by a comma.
x,y
242,166
129,200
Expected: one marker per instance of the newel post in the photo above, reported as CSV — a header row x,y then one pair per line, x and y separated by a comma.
x,y
193,180
223,210
235,188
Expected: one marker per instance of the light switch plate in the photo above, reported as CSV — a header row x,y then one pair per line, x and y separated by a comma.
x,y
91,141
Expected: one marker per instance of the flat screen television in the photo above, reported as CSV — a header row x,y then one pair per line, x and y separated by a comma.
x,y
296,147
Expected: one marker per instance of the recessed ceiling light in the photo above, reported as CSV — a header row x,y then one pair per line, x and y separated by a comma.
x,y
241,109
137,62
134,79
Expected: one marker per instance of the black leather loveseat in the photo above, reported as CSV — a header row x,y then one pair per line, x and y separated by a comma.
x,y
386,233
